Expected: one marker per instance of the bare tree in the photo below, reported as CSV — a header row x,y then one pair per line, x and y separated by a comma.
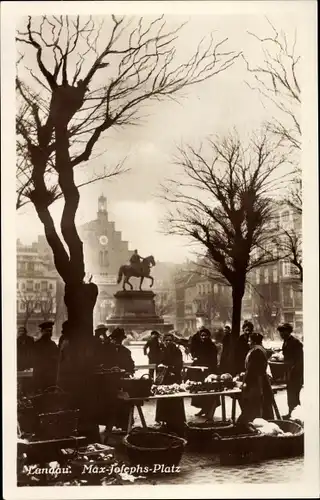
x,y
277,80
165,303
85,78
268,313
223,202
30,305
290,245
47,304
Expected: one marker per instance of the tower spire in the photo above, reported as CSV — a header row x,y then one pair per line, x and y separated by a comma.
x,y
102,204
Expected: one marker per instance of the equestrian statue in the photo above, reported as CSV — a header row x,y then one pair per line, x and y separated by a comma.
x,y
139,268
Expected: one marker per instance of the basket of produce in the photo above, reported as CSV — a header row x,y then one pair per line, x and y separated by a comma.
x,y
196,373
240,444
148,448
58,425
94,459
200,434
286,441
137,387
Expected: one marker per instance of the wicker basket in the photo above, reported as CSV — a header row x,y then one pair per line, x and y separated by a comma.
x,y
149,448
58,425
278,371
236,447
200,434
286,446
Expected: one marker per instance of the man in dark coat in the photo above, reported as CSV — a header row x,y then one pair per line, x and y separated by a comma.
x,y
292,350
124,361
45,359
224,366
152,349
242,347
25,345
123,358
207,354
194,343
257,397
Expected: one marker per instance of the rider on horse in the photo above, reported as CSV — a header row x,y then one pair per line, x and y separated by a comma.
x,y
135,260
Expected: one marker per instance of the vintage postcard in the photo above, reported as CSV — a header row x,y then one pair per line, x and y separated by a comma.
x,y
160,249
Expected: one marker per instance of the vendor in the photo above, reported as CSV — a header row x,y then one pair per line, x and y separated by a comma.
x,y
224,365
25,345
242,347
124,361
257,397
122,355
152,349
292,350
45,358
207,357
171,412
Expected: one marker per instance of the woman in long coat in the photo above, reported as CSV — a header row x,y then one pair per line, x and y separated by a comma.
x,y
207,356
171,412
257,397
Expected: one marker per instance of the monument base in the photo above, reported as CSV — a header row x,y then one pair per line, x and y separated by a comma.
x,y
135,310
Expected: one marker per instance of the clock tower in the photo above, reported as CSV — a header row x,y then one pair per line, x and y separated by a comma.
x,y
104,251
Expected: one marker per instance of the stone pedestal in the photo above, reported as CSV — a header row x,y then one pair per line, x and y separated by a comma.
x,y
135,310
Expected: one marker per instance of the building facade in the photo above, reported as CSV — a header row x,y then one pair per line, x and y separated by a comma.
x,y
36,287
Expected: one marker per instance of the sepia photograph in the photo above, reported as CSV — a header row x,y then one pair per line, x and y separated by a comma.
x,y
161,261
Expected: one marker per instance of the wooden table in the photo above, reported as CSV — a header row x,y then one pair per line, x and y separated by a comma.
x,y
233,393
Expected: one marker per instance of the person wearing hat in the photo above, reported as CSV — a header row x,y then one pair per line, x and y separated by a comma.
x,y
45,358
152,349
104,350
171,412
122,359
256,397
242,348
292,350
25,345
224,365
208,358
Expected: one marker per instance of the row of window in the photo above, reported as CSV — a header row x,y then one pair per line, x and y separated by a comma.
x,y
31,286
206,288
271,275
34,307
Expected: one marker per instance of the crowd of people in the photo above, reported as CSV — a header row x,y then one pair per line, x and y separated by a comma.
x,y
246,358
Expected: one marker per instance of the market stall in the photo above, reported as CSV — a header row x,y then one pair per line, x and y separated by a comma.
x,y
234,393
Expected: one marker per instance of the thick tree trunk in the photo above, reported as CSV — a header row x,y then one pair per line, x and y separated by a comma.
x,y
237,296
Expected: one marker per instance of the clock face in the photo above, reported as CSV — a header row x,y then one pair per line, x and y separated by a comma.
x,y
103,240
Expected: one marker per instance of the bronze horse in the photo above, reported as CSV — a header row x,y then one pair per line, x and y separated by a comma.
x,y
127,271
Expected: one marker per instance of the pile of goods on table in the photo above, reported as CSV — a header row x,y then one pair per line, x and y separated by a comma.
x,y
162,390
212,383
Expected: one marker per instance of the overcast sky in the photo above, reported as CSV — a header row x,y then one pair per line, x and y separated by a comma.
x,y
214,106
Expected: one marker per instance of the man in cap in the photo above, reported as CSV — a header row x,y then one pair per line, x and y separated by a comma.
x,y
24,349
242,347
152,349
123,358
124,361
45,358
104,349
292,350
